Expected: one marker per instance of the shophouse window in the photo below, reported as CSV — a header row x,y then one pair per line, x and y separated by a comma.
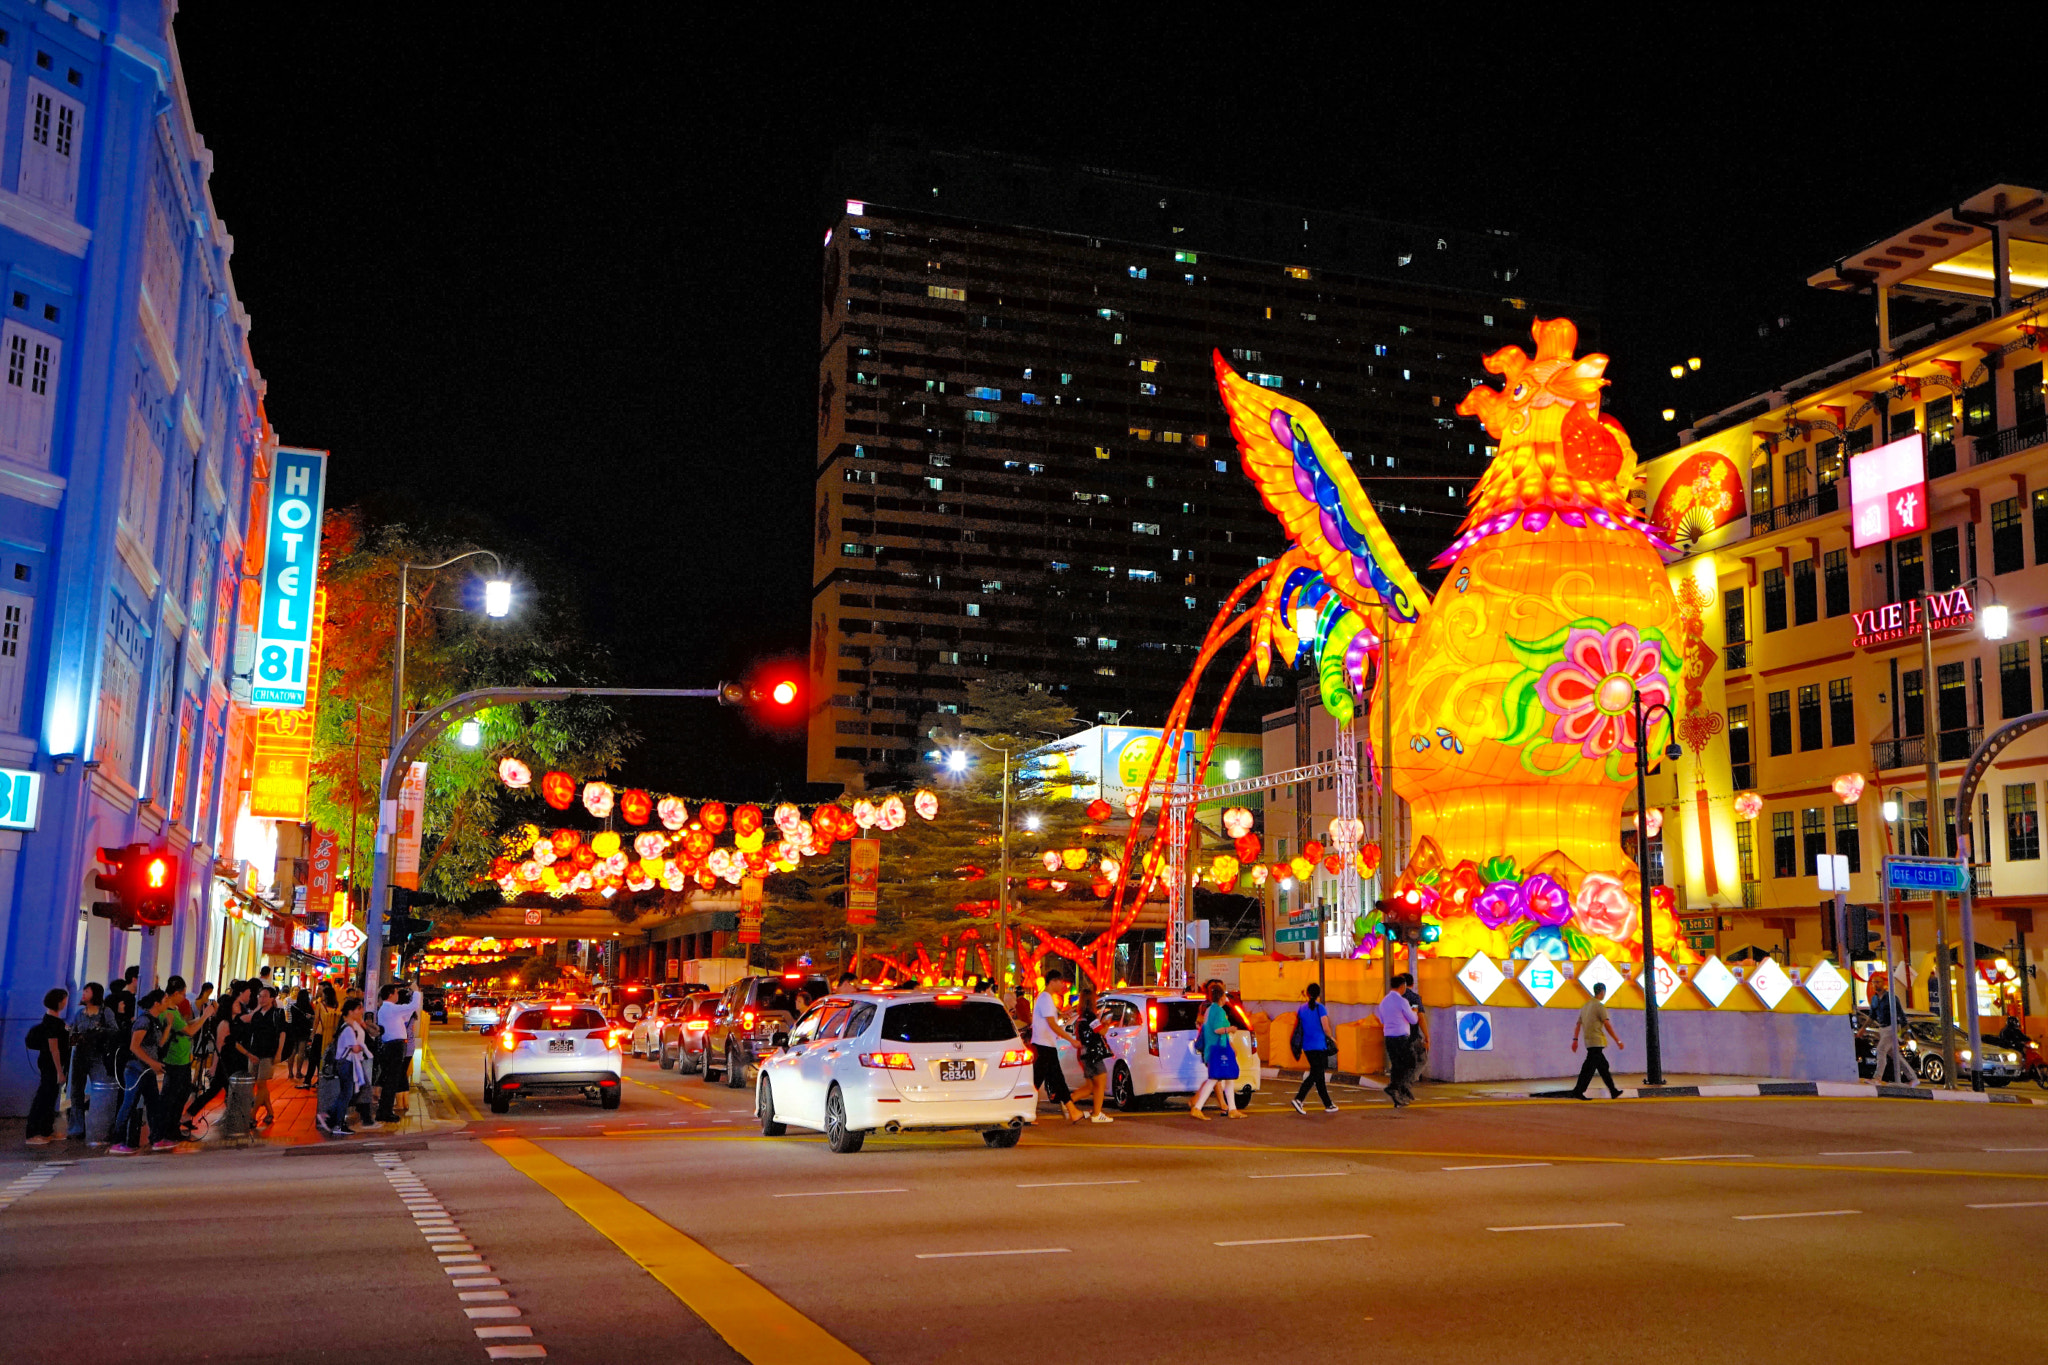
x,y
2029,403
1805,609
1813,836
2008,545
1780,704
1809,717
1913,709
1858,441
1848,839
1946,555
1916,828
1952,700
1745,849
1980,413
1784,845
1912,568
1796,489
1735,622
1774,600
1760,485
2015,680
2022,824
1829,466
1941,437
1841,712
2041,526
1834,581
1744,774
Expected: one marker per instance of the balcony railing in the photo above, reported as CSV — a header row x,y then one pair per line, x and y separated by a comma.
x,y
2021,436
1911,750
1738,654
1752,895
1797,510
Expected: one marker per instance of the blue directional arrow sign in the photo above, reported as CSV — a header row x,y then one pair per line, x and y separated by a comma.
x,y
1926,874
1475,1031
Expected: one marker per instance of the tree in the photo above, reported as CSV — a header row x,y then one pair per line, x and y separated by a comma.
x,y
448,651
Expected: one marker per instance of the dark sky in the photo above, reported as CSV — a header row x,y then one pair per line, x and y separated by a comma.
x,y
555,268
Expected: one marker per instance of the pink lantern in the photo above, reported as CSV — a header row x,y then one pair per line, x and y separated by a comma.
x,y
1748,805
891,814
674,814
1849,788
1237,821
1051,860
786,817
649,845
514,774
597,798
864,814
927,805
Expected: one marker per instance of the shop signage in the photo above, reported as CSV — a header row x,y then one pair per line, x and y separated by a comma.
x,y
346,938
1949,610
533,917
291,564
412,807
281,761
320,869
21,798
1888,491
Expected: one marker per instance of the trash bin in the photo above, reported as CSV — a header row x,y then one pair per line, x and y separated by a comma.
x,y
238,1116
103,1102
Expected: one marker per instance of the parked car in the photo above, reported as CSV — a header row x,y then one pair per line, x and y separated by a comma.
x,y
753,1010
898,1061
483,1012
681,1043
646,1030
1921,1042
553,1050
1152,1033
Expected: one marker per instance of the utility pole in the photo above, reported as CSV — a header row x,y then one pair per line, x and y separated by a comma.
x,y
1386,767
1937,836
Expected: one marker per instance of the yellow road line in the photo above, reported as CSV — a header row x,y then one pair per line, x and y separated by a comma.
x,y
448,1087
753,1321
662,1090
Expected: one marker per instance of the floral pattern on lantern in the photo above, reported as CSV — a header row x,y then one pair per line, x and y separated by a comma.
x,y
891,815
1051,860
1748,805
864,814
927,805
558,790
649,845
597,798
635,806
1848,788
674,814
514,774
712,816
1605,909
1074,858
1237,821
1591,689
1099,810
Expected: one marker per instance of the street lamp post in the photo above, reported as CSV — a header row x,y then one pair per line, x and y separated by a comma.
x,y
497,602
1003,886
1653,1052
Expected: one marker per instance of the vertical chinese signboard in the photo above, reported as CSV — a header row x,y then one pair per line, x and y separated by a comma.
x,y
750,909
281,762
320,870
863,881
1888,491
412,804
291,563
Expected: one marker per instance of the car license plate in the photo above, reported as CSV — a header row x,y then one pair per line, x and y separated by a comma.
x,y
956,1071
561,1044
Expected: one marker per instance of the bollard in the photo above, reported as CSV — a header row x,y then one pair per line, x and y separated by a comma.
x,y
238,1115
103,1101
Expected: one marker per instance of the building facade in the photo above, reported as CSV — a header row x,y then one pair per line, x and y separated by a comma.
x,y
1023,464
1812,650
131,437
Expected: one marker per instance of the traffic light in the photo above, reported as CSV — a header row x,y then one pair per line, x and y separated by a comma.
x,y
1860,945
776,693
144,883
117,880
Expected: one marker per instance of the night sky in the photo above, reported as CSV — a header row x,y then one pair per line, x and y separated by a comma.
x,y
551,272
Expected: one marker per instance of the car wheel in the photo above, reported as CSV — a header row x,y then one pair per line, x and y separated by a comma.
x,y
501,1103
764,1106
1122,1092
735,1074
1933,1069
838,1136
668,1060
704,1071
1244,1097
1002,1137
609,1097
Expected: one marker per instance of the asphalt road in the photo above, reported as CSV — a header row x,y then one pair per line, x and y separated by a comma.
x,y
669,1230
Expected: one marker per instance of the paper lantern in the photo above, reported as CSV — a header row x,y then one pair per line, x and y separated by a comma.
x,y
604,843
1099,810
1301,867
698,842
1109,868
1748,805
746,819
1346,831
1074,858
1849,788
927,805
1259,874
749,842
1037,883
1131,803
1059,886
1246,846
1224,869
787,817
635,806
1333,863
864,814
597,798
558,790
674,814
564,842
514,774
1237,821
1051,860
1312,850
649,845
712,816
583,856
1101,888
1282,871
890,815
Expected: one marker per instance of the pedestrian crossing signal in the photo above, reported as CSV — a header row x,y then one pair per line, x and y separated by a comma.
x,y
144,885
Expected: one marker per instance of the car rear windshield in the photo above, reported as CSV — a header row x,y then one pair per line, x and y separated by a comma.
x,y
928,1021
779,993
558,1021
705,1008
1176,1016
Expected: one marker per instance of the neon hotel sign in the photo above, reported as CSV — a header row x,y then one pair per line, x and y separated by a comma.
x,y
1898,620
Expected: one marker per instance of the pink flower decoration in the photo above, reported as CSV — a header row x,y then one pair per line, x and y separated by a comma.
x,y
1591,690
1605,910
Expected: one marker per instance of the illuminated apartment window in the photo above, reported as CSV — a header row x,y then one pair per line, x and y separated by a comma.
x,y
1145,528
940,291
1186,257
977,415
1172,438
1143,575
1104,642
1102,452
1270,381
1298,272
974,608
986,394
1148,366
1149,390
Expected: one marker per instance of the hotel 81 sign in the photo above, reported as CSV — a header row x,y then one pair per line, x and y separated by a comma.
x,y
291,563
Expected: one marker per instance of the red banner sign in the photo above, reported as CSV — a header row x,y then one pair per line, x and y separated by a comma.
x,y
320,872
863,881
1901,620
750,909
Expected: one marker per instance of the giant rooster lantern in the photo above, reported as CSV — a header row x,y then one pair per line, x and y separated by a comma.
x,y
1514,689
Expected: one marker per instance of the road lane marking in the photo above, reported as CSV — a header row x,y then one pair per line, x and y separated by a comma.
x,y
1297,1175
1888,1151
1020,1251
1813,1213
2016,1149
753,1321
2018,1204
1278,1241
1066,1184
1499,1166
822,1194
663,1090
1713,1156
1555,1227
447,1086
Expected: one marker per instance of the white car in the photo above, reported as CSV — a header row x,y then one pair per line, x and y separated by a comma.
x,y
899,1061
553,1050
1152,1033
482,1012
645,1040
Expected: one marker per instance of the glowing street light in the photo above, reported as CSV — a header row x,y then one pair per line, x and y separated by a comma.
x,y
497,597
1997,619
957,761
471,734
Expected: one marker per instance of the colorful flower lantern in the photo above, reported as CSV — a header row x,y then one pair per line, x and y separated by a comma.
x,y
1237,821
712,816
649,845
1300,867
891,815
1109,867
635,806
1051,860
1849,788
1224,870
1074,858
927,804
749,842
1748,805
1259,874
1333,863
564,842
1282,871
1312,850
604,843
674,814
597,798
514,774
1101,888
558,790
864,814
788,817
1132,803
1059,887
1246,846
1037,884
1346,831
1099,810
746,819
698,842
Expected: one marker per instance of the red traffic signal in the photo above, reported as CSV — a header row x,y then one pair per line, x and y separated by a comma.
x,y
777,693
144,884
156,901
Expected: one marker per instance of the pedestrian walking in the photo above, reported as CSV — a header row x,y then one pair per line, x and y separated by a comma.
x,y
351,1058
1593,1023
1093,1049
326,1022
396,1010
1314,1043
1046,1033
1219,1058
1418,1038
141,1095
1886,1014
49,1038
226,1027
262,1043
1397,1023
95,1043
298,1045
181,1021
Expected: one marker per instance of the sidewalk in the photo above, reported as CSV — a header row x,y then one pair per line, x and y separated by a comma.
x,y
294,1126
1675,1087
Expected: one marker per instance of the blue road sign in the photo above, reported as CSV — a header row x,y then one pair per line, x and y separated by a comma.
x,y
1475,1031
1926,874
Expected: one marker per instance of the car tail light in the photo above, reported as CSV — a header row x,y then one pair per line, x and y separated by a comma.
x,y
747,1022
512,1038
890,1061
609,1036
1152,1027
1016,1056
697,1025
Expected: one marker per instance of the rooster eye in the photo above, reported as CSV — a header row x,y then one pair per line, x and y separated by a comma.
x,y
1521,391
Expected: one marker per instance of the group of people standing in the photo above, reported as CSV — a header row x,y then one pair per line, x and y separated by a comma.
x,y
366,1057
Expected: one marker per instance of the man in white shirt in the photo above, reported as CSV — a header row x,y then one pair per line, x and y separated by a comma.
x,y
392,1020
1397,1021
1046,1032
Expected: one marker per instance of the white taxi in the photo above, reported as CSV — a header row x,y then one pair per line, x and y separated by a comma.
x,y
899,1061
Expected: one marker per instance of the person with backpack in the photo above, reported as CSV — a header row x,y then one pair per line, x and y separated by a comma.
x,y
350,1056
95,1038
262,1044
141,1095
50,1041
1315,1043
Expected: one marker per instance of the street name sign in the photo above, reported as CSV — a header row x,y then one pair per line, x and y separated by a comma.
x,y
1304,934
1926,874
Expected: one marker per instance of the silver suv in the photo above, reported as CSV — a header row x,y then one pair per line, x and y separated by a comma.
x,y
753,1010
554,1050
